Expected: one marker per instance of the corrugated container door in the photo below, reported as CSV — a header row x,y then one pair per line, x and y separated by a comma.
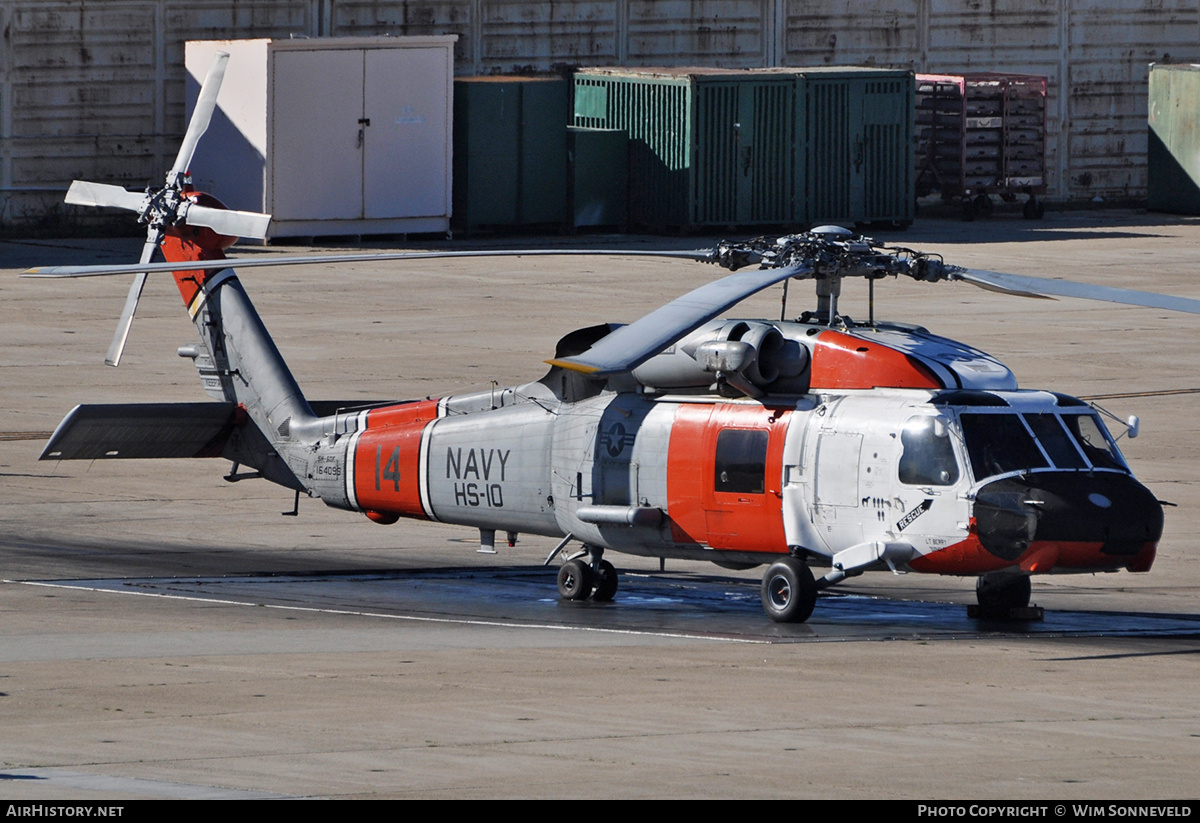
x,y
859,149
888,192
719,143
772,163
829,152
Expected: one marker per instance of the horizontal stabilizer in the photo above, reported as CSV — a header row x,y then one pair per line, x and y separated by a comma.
x,y
141,430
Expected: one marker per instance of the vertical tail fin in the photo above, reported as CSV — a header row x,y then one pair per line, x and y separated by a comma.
x,y
237,359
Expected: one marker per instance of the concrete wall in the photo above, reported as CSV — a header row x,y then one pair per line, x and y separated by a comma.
x,y
94,88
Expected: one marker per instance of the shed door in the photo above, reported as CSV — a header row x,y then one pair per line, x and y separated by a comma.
x,y
404,152
316,165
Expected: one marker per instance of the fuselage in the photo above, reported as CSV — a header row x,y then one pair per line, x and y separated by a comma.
x,y
967,478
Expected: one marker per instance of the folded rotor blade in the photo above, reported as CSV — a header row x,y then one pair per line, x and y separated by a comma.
x,y
83,193
229,222
206,103
117,347
331,259
1043,287
630,346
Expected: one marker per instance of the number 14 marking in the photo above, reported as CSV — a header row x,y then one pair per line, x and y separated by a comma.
x,y
390,470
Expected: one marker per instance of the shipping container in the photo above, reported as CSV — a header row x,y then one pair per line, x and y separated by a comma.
x,y
598,160
510,151
1174,135
713,147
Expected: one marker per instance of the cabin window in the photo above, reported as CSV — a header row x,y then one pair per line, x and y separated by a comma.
x,y
928,457
741,463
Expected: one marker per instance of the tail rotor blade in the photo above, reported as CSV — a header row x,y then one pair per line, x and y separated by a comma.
x,y
206,103
229,222
83,193
117,347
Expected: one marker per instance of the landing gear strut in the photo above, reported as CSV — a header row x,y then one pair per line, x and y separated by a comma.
x,y
588,575
789,593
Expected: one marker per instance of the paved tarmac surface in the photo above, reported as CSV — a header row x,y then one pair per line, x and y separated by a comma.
x,y
194,643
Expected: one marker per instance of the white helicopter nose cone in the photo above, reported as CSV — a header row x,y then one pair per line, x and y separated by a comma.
x,y
1099,500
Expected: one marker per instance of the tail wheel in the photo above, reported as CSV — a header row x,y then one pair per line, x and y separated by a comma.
x,y
575,580
789,593
606,581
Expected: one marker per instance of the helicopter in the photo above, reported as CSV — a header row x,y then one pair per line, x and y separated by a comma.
x,y
797,444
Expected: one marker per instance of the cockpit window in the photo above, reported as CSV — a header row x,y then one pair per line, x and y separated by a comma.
x,y
999,443
1089,431
1055,441
928,457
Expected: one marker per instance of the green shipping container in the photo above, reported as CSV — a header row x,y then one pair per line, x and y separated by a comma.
x,y
858,146
1173,154
780,147
510,151
599,177
707,147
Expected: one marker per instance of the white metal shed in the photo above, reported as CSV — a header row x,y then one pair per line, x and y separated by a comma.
x,y
331,136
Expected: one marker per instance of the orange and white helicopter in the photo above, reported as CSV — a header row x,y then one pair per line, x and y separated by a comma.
x,y
796,444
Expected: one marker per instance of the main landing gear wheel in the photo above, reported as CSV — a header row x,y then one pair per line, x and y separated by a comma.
x,y
575,580
789,593
606,582
581,578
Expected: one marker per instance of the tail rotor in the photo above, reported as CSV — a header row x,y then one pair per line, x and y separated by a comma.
x,y
172,205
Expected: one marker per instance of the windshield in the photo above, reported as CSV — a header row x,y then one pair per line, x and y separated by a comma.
x,y
1010,442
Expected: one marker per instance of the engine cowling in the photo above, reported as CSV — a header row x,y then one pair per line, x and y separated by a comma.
x,y
750,355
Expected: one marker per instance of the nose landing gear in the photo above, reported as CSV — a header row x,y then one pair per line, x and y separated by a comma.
x,y
1004,597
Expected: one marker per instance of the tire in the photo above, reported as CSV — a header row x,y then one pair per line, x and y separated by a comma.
x,y
575,580
968,209
789,593
1003,591
606,582
983,205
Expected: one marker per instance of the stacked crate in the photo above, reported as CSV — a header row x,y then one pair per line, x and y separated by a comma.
x,y
979,135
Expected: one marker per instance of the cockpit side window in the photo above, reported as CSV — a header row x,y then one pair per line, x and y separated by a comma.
x,y
741,461
998,444
928,456
1089,432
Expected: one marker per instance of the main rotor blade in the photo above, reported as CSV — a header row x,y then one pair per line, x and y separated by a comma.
x,y
229,222
630,346
201,116
83,193
117,347
703,255
1043,286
